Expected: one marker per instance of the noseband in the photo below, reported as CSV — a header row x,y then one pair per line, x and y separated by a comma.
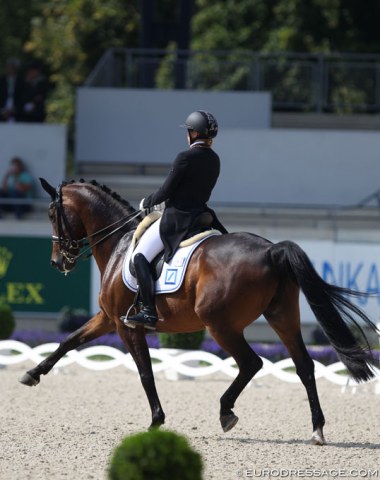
x,y
67,243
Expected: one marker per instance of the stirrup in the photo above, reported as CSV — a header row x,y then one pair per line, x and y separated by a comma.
x,y
144,318
124,318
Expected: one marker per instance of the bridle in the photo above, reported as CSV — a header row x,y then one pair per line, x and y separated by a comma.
x,y
67,244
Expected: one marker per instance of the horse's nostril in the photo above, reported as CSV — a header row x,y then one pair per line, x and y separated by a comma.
x,y
53,263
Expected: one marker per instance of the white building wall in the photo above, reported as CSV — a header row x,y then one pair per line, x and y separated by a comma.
x,y
259,164
142,126
310,167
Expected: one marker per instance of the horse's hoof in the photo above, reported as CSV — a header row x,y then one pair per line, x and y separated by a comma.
x,y
228,421
317,438
28,380
155,425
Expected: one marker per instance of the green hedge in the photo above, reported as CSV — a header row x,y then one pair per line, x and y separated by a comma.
x,y
7,321
186,341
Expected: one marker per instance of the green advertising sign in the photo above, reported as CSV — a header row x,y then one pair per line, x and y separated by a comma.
x,y
29,284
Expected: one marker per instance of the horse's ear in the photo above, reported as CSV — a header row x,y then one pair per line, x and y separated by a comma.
x,y
49,189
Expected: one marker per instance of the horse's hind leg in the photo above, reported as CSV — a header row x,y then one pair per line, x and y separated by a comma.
x,y
249,364
94,328
290,333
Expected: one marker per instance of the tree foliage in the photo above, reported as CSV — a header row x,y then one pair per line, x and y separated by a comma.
x,y
288,25
70,36
307,26
15,25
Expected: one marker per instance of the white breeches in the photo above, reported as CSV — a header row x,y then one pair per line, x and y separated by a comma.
x,y
150,244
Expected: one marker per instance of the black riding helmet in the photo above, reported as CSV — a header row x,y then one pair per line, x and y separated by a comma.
x,y
202,122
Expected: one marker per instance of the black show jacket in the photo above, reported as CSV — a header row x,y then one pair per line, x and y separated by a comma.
x,y
186,192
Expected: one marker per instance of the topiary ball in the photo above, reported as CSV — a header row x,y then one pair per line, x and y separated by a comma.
x,y
157,455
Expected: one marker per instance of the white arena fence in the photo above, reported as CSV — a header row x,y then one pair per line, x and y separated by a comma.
x,y
187,363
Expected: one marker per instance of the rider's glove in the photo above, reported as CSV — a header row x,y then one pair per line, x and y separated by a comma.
x,y
160,207
145,210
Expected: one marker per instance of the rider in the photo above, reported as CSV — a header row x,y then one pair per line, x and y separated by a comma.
x,y
185,192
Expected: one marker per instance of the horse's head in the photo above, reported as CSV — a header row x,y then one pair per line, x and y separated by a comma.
x,y
68,231
86,215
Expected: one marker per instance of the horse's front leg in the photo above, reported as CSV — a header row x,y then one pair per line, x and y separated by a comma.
x,y
135,341
98,325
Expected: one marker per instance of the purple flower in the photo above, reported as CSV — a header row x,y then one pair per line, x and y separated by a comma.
x,y
38,337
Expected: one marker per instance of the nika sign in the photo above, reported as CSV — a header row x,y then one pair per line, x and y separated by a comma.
x,y
350,265
29,283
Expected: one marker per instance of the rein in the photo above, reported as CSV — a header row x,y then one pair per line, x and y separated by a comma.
x,y
66,244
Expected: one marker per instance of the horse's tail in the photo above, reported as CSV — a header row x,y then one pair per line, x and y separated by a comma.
x,y
329,303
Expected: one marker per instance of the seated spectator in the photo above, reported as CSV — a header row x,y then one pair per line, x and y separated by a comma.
x,y
11,92
18,183
35,90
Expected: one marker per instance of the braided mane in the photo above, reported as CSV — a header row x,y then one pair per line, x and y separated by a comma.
x,y
105,189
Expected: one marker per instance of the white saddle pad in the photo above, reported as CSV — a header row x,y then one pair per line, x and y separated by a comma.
x,y
172,274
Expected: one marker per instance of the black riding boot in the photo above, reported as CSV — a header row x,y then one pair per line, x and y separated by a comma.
x,y
147,315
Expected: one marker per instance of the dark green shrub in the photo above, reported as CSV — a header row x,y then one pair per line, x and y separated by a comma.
x,y
71,319
7,321
158,455
186,341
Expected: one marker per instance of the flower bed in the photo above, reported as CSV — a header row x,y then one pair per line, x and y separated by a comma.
x,y
38,337
272,351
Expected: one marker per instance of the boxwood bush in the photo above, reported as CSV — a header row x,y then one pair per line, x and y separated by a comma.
x,y
157,454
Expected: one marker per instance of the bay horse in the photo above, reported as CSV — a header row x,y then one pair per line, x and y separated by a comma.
x,y
231,280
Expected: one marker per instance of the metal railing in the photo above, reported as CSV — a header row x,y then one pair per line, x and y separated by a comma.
x,y
298,81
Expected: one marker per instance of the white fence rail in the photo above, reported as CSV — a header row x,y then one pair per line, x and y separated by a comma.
x,y
187,363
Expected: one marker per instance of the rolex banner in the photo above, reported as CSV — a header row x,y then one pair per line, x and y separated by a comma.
x,y
28,283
